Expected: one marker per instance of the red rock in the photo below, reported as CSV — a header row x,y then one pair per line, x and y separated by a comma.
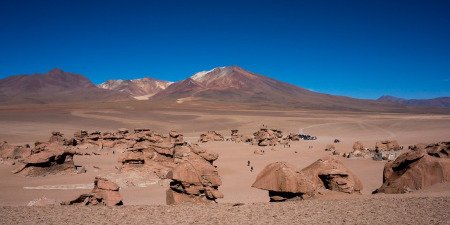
x,y
417,169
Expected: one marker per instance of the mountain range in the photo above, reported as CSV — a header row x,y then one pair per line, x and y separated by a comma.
x,y
222,85
441,102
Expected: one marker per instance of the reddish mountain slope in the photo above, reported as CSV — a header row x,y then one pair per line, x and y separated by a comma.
x,y
56,86
236,85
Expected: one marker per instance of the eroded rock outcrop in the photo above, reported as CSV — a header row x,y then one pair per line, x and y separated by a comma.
x,y
384,150
211,136
12,154
417,169
46,158
267,137
105,192
194,180
285,182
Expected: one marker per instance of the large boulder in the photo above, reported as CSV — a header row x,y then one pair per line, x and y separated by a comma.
x,y
284,182
416,170
105,192
329,173
195,180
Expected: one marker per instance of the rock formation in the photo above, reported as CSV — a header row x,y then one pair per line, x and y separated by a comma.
x,y
387,146
236,137
384,150
194,181
105,192
417,169
12,154
47,159
267,137
285,182
358,146
293,137
211,136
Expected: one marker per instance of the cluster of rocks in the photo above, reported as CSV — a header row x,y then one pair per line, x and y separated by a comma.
x,y
190,167
211,136
122,139
105,192
414,170
44,158
269,137
285,182
384,150
236,137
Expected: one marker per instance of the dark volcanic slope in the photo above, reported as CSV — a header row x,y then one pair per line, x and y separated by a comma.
x,y
442,102
235,85
56,86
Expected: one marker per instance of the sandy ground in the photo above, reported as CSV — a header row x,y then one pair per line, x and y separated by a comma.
x,y
374,210
20,126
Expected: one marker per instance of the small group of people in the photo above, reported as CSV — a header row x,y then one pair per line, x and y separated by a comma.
x,y
251,167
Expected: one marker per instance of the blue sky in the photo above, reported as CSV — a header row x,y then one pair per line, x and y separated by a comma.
x,y
357,48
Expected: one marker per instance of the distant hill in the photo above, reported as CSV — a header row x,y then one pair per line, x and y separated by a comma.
x,y
140,89
56,86
442,102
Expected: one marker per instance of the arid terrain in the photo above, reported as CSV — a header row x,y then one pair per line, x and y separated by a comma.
x,y
25,125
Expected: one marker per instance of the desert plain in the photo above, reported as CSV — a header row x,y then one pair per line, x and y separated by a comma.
x,y
145,202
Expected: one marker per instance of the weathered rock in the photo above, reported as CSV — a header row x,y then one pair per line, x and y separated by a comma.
x,y
12,153
211,136
259,152
267,137
175,136
105,192
285,182
294,137
281,180
195,179
387,146
417,169
358,146
48,158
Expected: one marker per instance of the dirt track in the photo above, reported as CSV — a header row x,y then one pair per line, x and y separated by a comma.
x,y
370,210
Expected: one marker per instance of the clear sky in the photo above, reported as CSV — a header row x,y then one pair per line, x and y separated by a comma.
x,y
358,48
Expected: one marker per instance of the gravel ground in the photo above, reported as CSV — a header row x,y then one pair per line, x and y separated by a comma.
x,y
365,210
